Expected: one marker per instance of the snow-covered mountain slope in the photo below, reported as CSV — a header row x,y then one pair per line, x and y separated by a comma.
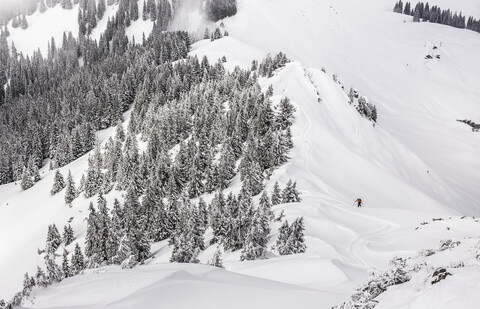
x,y
416,164
42,27
377,52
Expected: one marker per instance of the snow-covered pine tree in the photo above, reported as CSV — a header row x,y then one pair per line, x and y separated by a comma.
x,y
266,206
77,263
103,233
129,175
67,235
54,272
58,183
67,272
286,113
23,22
255,245
101,9
54,240
26,182
35,173
203,213
290,194
66,4
253,178
92,180
133,10
71,191
276,194
28,284
145,12
282,240
188,235
217,217
92,237
217,259
296,240
41,279
135,226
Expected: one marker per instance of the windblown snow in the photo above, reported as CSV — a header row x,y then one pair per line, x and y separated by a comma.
x,y
416,164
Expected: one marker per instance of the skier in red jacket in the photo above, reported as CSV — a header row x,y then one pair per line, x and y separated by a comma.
x,y
359,201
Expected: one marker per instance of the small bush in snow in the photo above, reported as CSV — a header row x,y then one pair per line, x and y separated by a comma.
x,y
377,284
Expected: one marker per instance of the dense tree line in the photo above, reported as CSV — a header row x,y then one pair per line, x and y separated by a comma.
x,y
219,9
53,106
434,14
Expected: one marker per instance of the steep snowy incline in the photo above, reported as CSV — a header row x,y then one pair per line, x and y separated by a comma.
x,y
374,50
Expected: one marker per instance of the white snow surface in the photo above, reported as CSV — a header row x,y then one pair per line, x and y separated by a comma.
x,y
416,164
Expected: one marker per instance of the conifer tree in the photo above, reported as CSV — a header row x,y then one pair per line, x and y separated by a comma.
x,y
266,205
276,194
135,226
58,183
26,182
53,237
77,261
290,193
285,114
291,238
35,173
124,253
217,217
145,12
133,10
65,264
101,9
296,241
28,284
54,272
67,235
217,259
41,279
282,240
91,239
71,191
255,245
23,22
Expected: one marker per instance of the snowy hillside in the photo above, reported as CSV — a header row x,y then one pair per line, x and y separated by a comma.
x,y
416,164
55,21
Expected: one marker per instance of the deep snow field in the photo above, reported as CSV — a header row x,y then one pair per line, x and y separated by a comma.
x,y
416,164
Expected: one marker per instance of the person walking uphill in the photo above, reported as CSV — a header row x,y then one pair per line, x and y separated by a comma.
x,y
359,201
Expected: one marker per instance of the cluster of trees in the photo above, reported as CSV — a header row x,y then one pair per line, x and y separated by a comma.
x,y
52,272
10,10
434,14
123,235
269,65
364,108
219,9
20,21
475,126
217,34
217,124
52,107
